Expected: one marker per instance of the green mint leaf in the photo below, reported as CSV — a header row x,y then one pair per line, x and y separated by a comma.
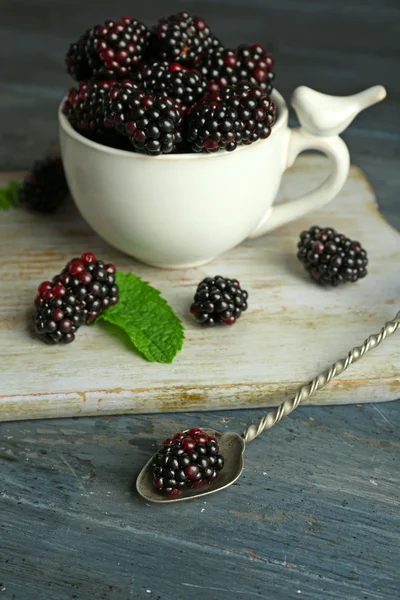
x,y
151,324
9,195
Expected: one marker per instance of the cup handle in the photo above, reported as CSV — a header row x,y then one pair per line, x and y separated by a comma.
x,y
323,118
336,151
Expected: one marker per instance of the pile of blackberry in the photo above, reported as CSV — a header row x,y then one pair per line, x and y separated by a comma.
x,y
219,301
331,258
187,460
76,296
178,70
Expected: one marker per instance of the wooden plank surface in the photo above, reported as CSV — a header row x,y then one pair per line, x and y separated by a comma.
x,y
316,513
292,330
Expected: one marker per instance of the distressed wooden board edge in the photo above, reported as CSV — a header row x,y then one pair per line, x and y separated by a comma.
x,y
184,398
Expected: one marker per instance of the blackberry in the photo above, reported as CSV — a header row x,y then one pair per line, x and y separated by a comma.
x,y
330,257
227,67
45,188
174,80
219,301
76,59
220,67
257,113
91,282
255,65
212,126
108,51
152,124
58,314
84,108
182,38
187,460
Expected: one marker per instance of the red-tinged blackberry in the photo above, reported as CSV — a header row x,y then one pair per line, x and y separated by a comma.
x,y
187,460
255,64
109,51
256,111
91,282
212,126
220,67
186,86
331,258
84,108
219,301
182,38
58,315
45,187
152,124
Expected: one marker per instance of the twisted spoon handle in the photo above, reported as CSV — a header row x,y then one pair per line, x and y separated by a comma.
x,y
320,381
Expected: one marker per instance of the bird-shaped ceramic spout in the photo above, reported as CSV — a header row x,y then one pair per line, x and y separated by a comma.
x,y
324,115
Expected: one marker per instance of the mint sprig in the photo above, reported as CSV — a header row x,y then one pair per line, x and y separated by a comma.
x,y
151,324
9,195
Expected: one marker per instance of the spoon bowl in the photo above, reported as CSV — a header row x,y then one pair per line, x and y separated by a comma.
x,y
231,446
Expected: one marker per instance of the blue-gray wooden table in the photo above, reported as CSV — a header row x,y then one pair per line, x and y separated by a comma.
x,y
316,513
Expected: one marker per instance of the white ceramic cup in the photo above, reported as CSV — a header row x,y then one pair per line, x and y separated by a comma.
x,y
182,210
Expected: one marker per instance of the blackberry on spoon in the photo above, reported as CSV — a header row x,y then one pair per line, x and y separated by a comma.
x,y
187,460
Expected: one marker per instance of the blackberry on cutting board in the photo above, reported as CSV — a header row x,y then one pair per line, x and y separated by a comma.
x,y
58,315
219,300
152,124
108,51
91,282
182,38
331,258
45,187
186,460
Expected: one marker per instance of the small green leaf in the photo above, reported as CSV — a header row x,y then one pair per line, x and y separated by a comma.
x,y
151,324
9,195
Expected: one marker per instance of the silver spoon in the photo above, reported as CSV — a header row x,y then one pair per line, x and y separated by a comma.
x,y
232,445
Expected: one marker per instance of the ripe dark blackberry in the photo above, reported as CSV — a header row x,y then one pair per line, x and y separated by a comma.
x,y
91,282
108,51
212,126
330,257
174,80
255,65
257,113
182,38
58,314
186,460
228,67
45,188
220,66
84,108
152,124
219,301
76,59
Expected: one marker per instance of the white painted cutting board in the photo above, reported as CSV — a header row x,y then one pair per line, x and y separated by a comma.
x,y
292,330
